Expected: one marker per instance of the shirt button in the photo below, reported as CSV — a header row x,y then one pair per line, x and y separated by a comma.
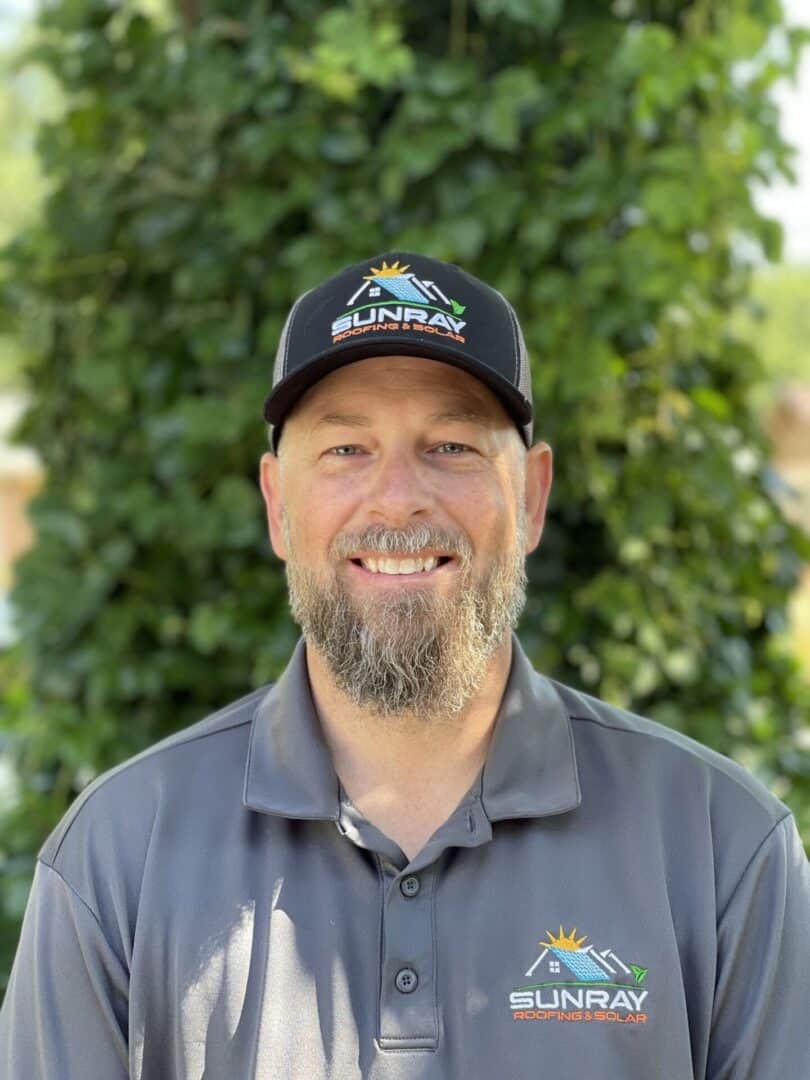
x,y
410,885
406,980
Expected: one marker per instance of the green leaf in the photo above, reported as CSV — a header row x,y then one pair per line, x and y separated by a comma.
x,y
539,14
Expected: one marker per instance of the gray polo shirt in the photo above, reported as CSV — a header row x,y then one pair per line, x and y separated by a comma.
x,y
610,899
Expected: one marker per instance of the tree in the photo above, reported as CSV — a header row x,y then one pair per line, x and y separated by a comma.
x,y
25,97
592,161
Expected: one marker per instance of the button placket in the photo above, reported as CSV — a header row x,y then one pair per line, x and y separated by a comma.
x,y
407,983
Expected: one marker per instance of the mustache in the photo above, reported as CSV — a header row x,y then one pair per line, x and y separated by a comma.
x,y
404,542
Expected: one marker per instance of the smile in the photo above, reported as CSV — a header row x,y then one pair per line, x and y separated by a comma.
x,y
404,570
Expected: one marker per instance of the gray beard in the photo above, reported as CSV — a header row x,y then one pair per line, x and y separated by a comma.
x,y
415,656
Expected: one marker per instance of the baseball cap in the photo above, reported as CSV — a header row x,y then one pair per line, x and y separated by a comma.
x,y
402,303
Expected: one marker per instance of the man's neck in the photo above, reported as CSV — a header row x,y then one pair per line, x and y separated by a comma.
x,y
407,780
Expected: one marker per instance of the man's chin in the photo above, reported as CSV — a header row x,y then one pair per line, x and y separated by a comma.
x,y
396,612
402,636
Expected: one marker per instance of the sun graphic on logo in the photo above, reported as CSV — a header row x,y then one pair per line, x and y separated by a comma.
x,y
394,270
564,941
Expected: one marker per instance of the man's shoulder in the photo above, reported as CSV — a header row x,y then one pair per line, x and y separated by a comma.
x,y
213,748
666,758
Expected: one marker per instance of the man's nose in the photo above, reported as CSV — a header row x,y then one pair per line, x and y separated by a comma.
x,y
400,487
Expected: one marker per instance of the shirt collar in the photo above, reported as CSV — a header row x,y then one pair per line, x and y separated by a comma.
x,y
530,769
289,768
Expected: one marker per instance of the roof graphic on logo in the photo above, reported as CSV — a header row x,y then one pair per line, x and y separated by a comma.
x,y
402,285
584,962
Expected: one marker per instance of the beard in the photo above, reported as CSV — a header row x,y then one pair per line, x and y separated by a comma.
x,y
414,656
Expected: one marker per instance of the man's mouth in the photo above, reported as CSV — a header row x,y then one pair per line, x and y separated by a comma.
x,y
411,567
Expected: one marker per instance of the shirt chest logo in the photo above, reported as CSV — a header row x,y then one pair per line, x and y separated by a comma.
x,y
574,982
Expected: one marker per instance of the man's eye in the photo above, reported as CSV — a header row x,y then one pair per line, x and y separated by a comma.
x,y
351,447
458,446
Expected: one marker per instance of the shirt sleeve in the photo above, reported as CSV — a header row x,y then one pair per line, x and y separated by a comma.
x,y
65,1011
761,1018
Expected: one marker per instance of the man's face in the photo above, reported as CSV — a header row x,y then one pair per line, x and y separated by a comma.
x,y
366,469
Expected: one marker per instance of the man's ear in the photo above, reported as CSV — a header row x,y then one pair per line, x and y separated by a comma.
x,y
539,472
270,481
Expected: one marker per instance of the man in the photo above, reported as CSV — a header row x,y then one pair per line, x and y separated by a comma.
x,y
413,856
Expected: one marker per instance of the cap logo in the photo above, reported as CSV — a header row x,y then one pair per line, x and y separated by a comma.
x,y
391,299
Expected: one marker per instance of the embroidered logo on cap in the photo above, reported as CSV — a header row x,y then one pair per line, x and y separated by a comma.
x,y
575,982
391,299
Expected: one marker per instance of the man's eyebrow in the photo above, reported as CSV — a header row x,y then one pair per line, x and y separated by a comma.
x,y
462,415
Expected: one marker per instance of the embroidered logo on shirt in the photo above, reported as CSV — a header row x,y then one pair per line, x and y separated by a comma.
x,y
423,307
575,982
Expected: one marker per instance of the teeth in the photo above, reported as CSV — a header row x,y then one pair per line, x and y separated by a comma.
x,y
399,566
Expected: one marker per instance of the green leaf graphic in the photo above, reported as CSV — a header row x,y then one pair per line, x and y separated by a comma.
x,y
640,973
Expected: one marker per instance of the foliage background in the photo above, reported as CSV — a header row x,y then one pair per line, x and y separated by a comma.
x,y
591,160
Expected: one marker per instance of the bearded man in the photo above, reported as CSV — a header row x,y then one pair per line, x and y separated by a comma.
x,y
413,856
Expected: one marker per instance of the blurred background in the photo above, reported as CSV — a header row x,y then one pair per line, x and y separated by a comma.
x,y
634,175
